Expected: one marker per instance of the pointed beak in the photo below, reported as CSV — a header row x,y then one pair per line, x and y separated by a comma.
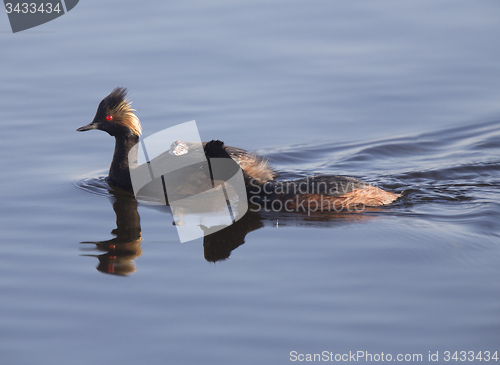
x,y
87,127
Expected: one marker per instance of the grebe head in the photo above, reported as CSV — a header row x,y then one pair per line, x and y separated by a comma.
x,y
115,116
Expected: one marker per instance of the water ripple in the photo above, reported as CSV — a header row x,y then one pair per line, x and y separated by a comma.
x,y
446,170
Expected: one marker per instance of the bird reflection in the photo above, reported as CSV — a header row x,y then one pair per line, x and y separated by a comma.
x,y
218,245
120,252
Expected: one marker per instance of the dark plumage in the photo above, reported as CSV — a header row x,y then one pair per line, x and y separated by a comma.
x,y
310,194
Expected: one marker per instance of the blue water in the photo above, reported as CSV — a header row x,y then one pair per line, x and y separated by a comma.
x,y
400,95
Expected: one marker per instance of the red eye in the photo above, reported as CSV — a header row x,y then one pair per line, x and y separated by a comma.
x,y
109,117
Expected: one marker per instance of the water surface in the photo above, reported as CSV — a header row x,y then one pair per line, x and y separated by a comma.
x,y
402,96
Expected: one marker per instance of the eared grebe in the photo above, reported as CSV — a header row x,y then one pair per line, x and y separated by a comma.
x,y
115,116
311,194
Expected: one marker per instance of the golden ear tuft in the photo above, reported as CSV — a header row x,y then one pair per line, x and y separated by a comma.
x,y
128,117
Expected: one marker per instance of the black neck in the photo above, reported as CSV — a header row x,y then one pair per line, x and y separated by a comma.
x,y
119,172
